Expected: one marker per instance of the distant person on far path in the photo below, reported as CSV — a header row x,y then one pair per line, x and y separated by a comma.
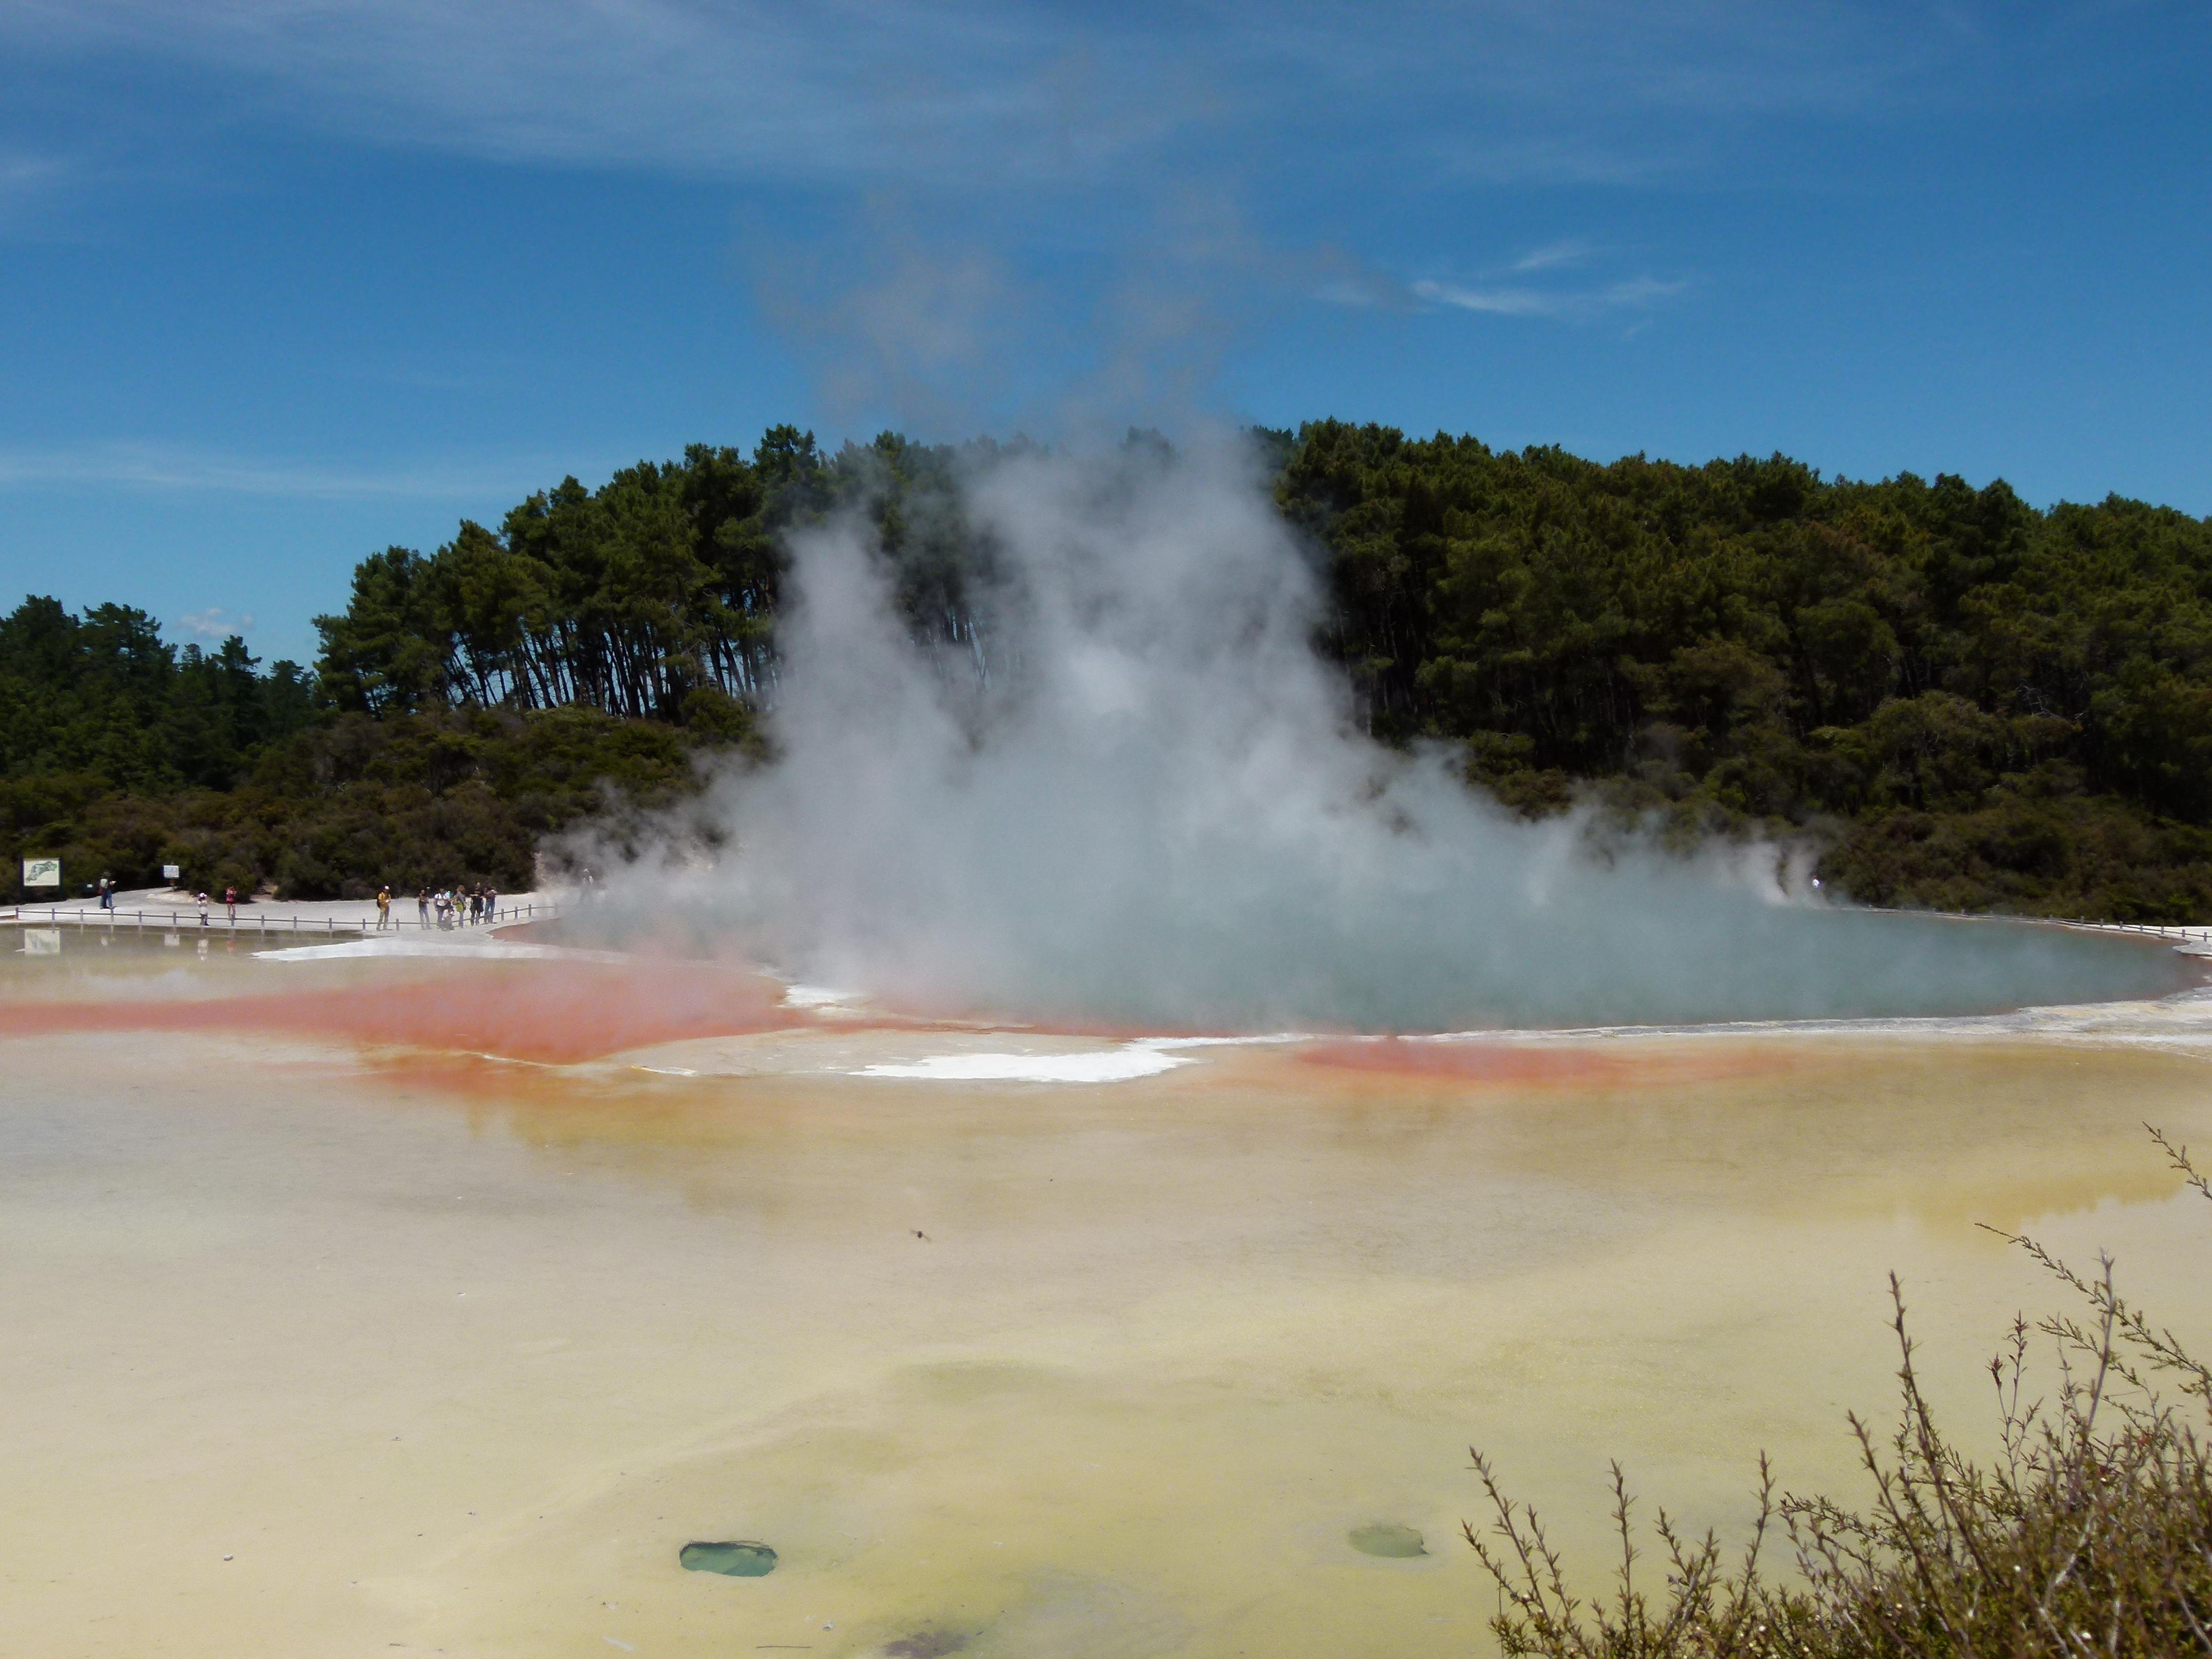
x,y
422,906
107,892
230,904
203,909
384,907
491,903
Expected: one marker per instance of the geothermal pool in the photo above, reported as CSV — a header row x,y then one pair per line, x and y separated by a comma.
x,y
435,1305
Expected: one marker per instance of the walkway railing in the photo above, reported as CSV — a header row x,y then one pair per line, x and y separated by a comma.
x,y
261,924
2176,933
2148,929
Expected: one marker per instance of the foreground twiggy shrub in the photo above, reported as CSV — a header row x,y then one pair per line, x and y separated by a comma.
x,y
2089,1533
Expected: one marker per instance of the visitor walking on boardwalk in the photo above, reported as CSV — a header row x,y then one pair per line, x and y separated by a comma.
x,y
384,907
230,904
203,909
422,906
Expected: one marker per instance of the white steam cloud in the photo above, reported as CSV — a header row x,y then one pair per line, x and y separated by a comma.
x,y
1157,810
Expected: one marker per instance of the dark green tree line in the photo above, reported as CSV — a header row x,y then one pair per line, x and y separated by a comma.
x,y
1970,701
103,694
1981,702
655,595
121,754
1825,644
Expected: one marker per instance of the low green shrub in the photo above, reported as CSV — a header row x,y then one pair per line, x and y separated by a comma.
x,y
2089,1533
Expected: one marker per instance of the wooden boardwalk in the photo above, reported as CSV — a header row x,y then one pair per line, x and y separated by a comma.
x,y
257,921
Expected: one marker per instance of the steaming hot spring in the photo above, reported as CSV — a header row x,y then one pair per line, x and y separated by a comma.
x,y
1204,1126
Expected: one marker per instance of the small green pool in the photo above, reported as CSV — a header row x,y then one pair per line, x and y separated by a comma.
x,y
1389,1539
734,1560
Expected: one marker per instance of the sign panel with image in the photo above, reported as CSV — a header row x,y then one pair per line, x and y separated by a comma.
x,y
42,872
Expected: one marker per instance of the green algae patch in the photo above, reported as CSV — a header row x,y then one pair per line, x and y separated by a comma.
x,y
1392,1542
736,1560
926,1644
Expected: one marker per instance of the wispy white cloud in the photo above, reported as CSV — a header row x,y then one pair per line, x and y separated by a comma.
x,y
970,92
214,623
846,87
29,180
1496,301
170,467
1554,256
1636,294
1511,299
22,173
1613,56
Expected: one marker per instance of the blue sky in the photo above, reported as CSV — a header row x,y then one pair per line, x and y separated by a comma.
x,y
286,280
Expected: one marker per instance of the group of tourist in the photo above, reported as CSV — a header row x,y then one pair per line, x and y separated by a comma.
x,y
229,904
453,907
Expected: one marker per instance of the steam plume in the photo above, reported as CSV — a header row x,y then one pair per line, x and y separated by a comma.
x,y
1145,803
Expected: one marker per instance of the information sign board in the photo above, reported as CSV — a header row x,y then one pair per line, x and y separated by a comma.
x,y
42,872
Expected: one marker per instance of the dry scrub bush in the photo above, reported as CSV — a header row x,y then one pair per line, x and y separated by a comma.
x,y
2091,1533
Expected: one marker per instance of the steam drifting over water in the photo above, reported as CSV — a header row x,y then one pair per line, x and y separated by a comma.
x,y
1146,804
